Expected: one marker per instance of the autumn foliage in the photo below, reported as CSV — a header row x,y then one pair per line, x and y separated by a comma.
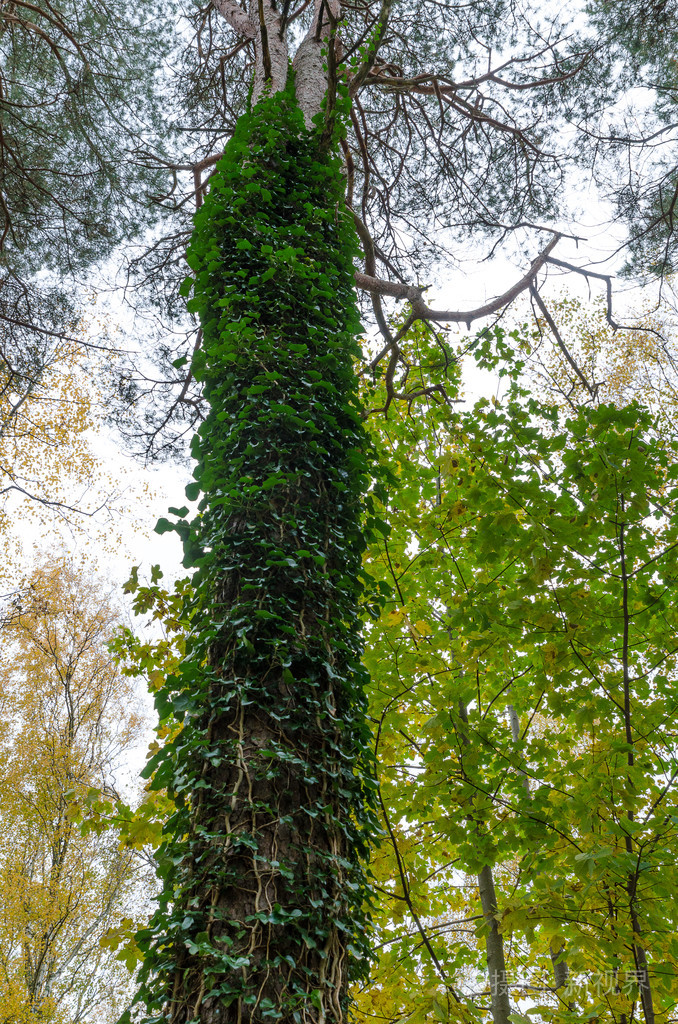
x,y
69,719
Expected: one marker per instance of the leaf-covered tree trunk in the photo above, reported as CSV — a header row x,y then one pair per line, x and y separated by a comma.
x,y
262,914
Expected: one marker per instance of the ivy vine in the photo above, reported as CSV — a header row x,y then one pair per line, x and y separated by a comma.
x,y
262,915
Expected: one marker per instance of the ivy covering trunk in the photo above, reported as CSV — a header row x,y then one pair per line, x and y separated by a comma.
x,y
262,913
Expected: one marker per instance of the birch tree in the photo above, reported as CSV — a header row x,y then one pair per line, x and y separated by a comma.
x,y
69,719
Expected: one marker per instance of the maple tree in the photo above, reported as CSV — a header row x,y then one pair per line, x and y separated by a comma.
x,y
524,705
69,720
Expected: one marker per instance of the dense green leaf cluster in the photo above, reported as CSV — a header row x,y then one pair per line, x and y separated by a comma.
x,y
263,901
524,684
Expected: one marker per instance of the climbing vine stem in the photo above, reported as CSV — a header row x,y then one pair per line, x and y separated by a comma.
x,y
262,913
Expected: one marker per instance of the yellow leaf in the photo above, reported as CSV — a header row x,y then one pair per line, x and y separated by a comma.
x,y
423,628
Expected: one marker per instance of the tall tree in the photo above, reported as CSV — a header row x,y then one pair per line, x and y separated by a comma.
x,y
351,126
522,690
69,720
263,888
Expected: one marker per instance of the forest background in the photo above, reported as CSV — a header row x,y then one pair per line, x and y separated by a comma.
x,y
519,627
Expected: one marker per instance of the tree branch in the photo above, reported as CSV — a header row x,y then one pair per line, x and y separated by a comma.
x,y
424,312
370,56
419,84
591,388
584,272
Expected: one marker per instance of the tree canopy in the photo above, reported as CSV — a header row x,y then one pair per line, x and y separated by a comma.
x,y
521,692
69,720
79,92
462,126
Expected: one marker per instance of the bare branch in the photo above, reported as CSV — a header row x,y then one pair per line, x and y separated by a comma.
x,y
370,267
591,388
607,278
423,312
420,83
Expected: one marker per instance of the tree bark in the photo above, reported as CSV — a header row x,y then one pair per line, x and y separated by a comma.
x,y
262,917
500,1006
494,945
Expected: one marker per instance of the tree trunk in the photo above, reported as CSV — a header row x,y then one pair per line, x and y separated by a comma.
x,y
500,1006
262,915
